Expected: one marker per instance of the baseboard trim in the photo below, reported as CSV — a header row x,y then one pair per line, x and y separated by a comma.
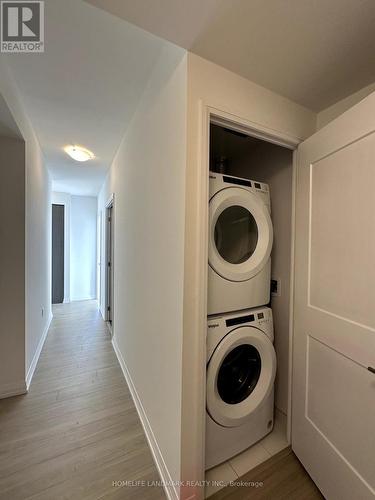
x,y
170,489
9,390
39,348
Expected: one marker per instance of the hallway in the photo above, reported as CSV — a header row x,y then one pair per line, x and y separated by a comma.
x,y
77,430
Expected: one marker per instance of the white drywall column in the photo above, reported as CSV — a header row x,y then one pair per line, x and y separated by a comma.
x,y
37,227
147,178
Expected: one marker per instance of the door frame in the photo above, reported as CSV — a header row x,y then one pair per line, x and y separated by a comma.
x,y
207,115
109,257
99,252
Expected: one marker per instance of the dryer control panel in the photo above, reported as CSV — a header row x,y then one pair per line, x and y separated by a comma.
x,y
221,181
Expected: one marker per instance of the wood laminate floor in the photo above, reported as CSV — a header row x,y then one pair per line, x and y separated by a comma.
x,y
281,477
77,430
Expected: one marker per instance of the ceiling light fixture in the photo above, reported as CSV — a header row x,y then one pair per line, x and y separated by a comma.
x,y
78,153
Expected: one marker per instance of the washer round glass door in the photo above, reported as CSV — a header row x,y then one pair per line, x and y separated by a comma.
x,y
241,234
240,375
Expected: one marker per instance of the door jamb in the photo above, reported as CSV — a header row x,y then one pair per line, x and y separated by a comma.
x,y
207,115
109,204
99,257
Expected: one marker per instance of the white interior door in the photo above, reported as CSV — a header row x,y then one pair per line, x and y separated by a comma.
x,y
334,339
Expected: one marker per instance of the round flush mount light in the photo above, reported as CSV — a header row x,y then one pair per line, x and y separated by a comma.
x,y
79,153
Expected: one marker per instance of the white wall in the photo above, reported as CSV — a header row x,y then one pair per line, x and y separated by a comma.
x,y
80,245
12,266
83,214
38,252
38,230
221,89
332,112
147,178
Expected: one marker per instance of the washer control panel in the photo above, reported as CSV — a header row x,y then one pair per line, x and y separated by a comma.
x,y
220,325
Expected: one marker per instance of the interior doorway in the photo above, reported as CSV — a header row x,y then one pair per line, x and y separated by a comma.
x,y
196,285
250,226
109,254
99,258
58,241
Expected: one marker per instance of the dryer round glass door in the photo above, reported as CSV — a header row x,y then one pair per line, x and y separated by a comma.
x,y
236,234
241,234
240,376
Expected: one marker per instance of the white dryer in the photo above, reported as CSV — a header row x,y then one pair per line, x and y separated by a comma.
x,y
241,369
239,244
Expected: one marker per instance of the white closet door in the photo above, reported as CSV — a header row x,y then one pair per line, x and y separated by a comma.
x,y
333,424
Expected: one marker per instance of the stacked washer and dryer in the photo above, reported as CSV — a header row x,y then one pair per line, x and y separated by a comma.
x,y
241,360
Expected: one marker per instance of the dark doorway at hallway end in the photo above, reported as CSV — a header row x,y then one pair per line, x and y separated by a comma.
x,y
58,221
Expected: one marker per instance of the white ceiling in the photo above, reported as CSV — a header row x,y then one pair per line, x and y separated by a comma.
x,y
86,86
314,52
84,89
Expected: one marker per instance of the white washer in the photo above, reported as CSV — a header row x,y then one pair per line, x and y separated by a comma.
x,y
239,244
241,369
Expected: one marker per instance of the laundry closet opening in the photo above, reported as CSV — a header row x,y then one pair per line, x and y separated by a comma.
x,y
269,167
